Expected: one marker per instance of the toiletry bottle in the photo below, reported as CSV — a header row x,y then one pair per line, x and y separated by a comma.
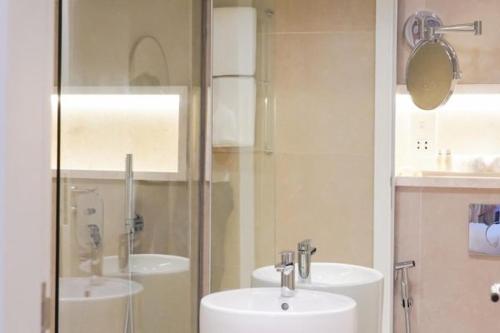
x,y
448,160
440,160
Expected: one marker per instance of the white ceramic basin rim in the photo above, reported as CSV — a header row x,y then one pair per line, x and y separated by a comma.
x,y
90,289
265,310
327,275
268,301
148,264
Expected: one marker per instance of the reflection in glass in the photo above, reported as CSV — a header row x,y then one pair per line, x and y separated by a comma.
x,y
128,186
484,229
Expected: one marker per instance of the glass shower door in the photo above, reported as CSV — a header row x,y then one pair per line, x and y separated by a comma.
x,y
127,166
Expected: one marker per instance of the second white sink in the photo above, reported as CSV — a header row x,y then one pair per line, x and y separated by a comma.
x,y
167,292
264,310
96,304
364,285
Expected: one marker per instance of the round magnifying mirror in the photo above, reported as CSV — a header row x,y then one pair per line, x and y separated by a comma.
x,y
431,73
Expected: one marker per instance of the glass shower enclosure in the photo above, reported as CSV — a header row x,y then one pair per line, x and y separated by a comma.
x,y
126,172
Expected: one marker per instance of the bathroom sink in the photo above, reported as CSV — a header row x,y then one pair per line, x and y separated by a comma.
x,y
148,264
264,310
167,290
364,285
95,289
95,304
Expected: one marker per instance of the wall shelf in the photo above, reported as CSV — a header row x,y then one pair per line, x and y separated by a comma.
x,y
458,181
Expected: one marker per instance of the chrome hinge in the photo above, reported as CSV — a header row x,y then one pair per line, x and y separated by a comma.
x,y
46,306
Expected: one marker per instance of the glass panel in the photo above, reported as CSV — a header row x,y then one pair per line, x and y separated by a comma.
x,y
128,186
305,171
243,174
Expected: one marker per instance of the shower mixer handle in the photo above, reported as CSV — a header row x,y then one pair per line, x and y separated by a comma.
x,y
495,292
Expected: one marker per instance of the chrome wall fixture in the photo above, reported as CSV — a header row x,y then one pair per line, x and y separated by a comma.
x,y
484,229
495,292
425,25
433,68
401,272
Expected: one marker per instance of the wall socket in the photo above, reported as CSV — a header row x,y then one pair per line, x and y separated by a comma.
x,y
424,145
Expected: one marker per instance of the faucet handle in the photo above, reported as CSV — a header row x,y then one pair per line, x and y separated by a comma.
x,y
95,235
306,246
285,269
287,264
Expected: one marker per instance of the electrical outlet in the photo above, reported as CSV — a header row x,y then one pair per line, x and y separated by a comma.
x,y
424,145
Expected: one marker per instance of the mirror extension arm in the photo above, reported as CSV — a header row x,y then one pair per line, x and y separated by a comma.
x,y
476,27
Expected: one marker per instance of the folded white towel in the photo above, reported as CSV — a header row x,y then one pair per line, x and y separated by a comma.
x,y
234,112
234,41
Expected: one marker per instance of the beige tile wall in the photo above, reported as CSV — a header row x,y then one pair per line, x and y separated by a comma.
x,y
449,286
317,182
324,84
101,35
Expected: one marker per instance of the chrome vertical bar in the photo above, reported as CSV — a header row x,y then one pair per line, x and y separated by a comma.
x,y
129,191
127,238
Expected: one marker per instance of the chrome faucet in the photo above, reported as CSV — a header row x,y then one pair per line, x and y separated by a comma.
x,y
305,251
287,269
95,249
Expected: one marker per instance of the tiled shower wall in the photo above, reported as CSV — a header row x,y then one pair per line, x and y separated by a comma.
x,y
450,287
324,83
317,181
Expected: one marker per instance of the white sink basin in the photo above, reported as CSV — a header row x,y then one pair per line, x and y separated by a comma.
x,y
148,264
95,304
167,290
364,285
264,310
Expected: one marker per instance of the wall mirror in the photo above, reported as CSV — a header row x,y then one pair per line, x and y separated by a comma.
x,y
433,68
431,73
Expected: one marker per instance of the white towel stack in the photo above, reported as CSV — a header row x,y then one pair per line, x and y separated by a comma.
x,y
234,86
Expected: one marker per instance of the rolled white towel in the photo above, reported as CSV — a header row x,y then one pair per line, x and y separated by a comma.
x,y
495,165
479,165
